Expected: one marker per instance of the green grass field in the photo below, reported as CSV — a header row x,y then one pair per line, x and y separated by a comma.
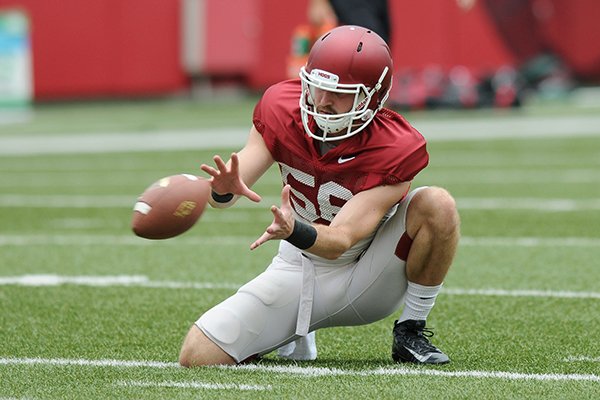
x,y
90,311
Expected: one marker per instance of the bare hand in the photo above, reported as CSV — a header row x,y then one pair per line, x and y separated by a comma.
x,y
283,221
226,179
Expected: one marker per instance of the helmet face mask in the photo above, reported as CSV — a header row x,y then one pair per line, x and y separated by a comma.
x,y
334,126
352,61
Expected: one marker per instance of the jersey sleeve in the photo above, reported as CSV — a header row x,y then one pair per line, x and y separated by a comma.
x,y
413,159
258,115
396,151
277,115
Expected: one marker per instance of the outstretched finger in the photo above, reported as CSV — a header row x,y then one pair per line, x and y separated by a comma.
x,y
277,213
285,196
235,162
255,197
262,239
209,170
220,164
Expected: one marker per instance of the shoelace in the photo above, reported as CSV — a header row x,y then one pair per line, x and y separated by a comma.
x,y
420,338
427,332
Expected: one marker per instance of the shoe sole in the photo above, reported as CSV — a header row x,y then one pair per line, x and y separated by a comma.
x,y
399,359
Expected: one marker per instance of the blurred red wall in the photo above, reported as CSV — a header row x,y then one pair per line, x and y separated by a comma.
x,y
108,48
103,48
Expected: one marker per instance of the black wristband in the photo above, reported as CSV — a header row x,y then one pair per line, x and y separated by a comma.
x,y
303,236
221,198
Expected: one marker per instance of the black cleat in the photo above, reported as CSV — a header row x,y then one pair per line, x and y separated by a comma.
x,y
411,344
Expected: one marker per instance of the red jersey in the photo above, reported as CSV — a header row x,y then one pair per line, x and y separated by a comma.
x,y
388,151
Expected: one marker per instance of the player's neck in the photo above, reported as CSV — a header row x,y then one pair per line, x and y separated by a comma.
x,y
324,147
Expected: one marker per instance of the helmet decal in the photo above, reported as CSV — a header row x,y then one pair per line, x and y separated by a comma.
x,y
325,79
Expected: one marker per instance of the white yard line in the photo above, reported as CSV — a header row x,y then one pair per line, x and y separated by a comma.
x,y
522,293
196,385
470,161
38,280
87,363
316,371
66,201
528,203
45,280
477,177
505,127
509,127
122,142
582,359
530,241
403,371
82,239
464,203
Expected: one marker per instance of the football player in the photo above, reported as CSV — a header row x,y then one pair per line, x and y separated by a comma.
x,y
356,243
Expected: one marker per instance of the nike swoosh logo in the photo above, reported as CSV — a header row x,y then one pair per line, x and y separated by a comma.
x,y
342,160
418,356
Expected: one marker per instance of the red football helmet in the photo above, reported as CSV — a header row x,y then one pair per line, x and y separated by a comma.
x,y
347,59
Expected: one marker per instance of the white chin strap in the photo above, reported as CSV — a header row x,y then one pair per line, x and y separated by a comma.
x,y
333,124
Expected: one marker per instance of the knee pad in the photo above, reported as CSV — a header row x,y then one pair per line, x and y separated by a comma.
x,y
274,288
236,323
233,324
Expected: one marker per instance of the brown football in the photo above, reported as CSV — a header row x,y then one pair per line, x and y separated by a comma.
x,y
170,206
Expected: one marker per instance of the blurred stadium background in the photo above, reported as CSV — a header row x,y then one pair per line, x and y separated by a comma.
x,y
138,48
99,98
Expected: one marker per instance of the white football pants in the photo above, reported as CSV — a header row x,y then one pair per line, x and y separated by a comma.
x,y
296,295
